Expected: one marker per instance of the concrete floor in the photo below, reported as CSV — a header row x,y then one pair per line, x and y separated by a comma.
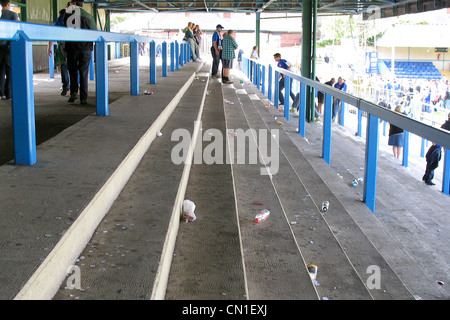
x,y
408,233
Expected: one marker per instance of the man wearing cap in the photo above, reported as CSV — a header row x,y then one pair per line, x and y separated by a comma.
x,y
337,105
78,53
216,50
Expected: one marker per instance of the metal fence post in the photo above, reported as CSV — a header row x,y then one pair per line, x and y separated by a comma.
x,y
134,68
446,174
153,62
327,122
269,80
287,90
277,89
164,59
371,160
172,56
405,148
101,77
23,100
177,55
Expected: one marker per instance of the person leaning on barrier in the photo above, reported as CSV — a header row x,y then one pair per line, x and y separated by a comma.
x,y
5,56
79,53
284,64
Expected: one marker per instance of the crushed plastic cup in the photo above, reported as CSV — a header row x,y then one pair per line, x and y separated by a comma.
x,y
188,211
325,205
355,182
312,270
262,216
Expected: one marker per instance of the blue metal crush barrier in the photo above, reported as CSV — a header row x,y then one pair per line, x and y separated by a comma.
x,y
22,34
375,116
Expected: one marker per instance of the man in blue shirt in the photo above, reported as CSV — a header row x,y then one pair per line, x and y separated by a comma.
x,y
5,57
337,105
216,50
282,63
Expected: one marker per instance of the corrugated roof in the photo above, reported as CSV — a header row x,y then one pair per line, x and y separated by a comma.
x,y
374,8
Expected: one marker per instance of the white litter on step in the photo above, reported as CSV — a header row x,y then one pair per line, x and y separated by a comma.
x,y
188,211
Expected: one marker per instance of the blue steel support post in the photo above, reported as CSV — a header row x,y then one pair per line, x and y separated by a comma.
x,y
359,122
263,80
177,55
23,113
172,56
182,54
327,119
422,148
188,53
134,68
277,89
302,110
101,77
342,114
255,73
405,148
152,62
446,174
371,160
258,76
269,80
164,59
51,62
91,67
287,89
249,63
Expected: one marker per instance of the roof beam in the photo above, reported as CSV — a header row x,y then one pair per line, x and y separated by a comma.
x,y
145,6
268,3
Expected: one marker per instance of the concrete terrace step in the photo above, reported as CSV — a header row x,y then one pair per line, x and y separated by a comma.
x,y
50,210
207,263
274,265
331,240
130,252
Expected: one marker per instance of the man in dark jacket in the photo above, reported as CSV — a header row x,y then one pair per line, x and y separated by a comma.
x,y
79,53
433,157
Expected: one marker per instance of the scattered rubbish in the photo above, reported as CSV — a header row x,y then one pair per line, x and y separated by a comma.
x,y
293,222
159,133
279,122
440,283
241,81
316,283
355,183
267,105
325,205
312,269
188,211
325,298
360,179
257,203
148,93
262,216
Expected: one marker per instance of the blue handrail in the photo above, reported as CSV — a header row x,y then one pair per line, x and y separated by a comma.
x,y
374,114
22,34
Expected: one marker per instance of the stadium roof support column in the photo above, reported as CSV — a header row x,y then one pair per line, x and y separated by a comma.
x,y
306,52
258,29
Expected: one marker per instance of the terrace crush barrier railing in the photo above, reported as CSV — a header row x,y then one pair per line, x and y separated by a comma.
x,y
21,36
375,116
